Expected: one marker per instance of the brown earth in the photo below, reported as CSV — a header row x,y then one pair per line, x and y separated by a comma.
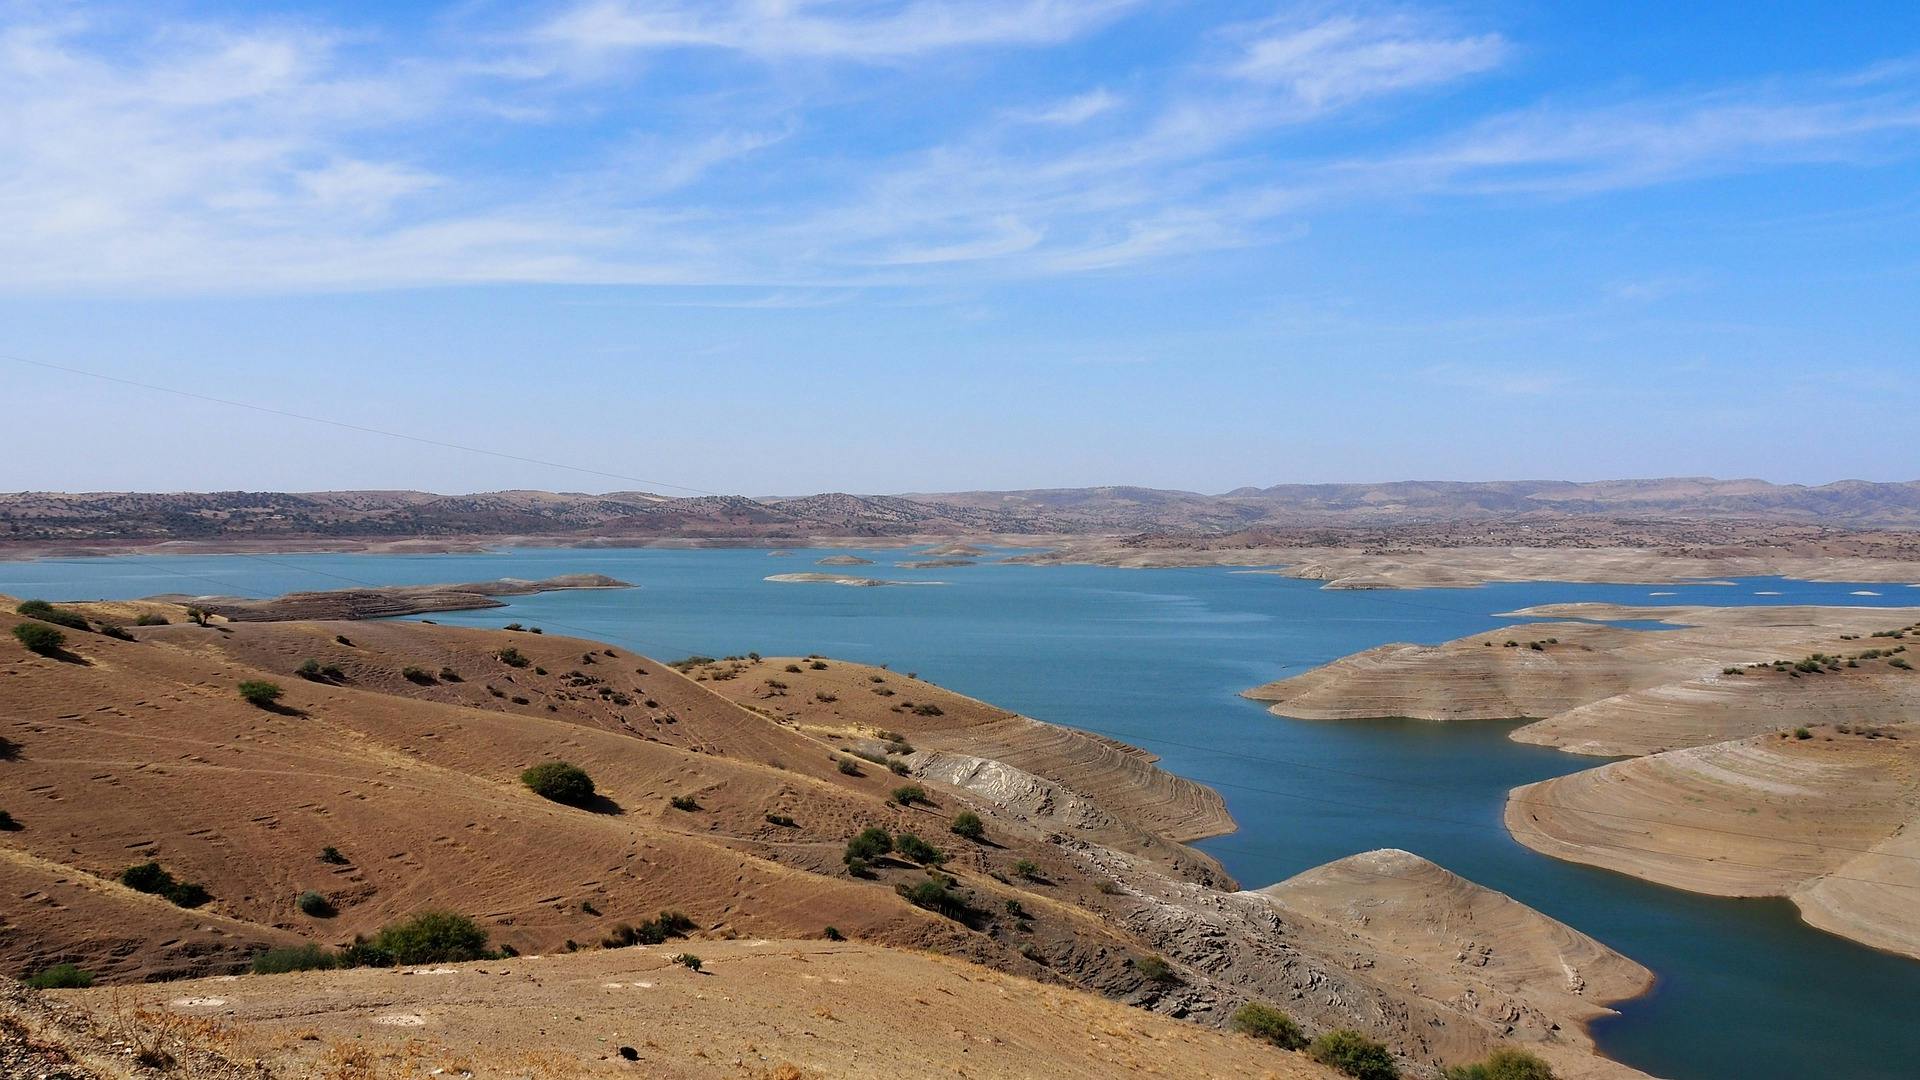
x,y
121,751
765,1009
379,602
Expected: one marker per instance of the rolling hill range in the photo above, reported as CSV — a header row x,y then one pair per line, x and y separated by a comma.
x,y
386,780
49,518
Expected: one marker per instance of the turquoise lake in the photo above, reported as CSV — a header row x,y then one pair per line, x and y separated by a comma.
x,y
1157,658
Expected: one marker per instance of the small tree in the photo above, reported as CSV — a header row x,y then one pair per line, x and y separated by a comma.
x,y
1027,868
260,693
869,845
314,904
1354,1054
511,657
561,782
967,824
918,850
1269,1023
908,794
1503,1064
40,638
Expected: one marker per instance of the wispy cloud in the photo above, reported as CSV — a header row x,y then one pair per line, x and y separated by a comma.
x,y
268,154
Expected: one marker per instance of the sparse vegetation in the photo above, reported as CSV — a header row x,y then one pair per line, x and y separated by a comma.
x,y
447,674
1156,969
1354,1054
331,855
511,657
1268,1023
40,638
417,675
432,937
781,820
60,977
655,931
315,904
938,895
832,933
849,767
260,693
1027,868
286,958
7,824
149,877
908,794
45,612
927,709
308,669
561,782
150,619
968,825
688,960
1502,1064
684,802
870,844
917,850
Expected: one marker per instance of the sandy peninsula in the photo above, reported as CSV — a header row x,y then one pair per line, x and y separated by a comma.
x,y
842,579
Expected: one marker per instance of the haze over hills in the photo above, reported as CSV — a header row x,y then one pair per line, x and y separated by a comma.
x,y
53,518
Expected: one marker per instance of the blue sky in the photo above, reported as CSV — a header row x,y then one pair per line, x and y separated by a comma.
x,y
779,246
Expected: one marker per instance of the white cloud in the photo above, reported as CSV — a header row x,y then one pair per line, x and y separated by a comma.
x,y
1074,110
1346,58
833,29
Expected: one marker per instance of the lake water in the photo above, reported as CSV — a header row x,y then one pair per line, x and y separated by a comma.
x,y
1157,658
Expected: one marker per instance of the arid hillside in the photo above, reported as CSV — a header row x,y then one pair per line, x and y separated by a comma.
x,y
384,779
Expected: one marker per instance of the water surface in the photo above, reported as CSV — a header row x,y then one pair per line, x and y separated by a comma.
x,y
1158,658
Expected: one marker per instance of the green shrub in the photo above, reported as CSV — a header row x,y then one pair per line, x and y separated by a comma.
x,y
418,675
1269,1023
1502,1064
927,710
688,960
909,794
653,932
1027,868
61,977
857,866
45,612
898,768
331,854
938,897
1156,969
849,767
869,845
511,657
40,638
781,820
1354,1054
1802,733
314,904
279,961
918,850
148,877
684,802
308,669
114,630
199,616
447,674
967,824
561,782
832,933
433,937
259,692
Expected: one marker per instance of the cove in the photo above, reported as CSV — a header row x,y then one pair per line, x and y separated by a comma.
x,y
1158,658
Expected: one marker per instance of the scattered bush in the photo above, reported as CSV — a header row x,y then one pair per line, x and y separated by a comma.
x,y
909,794
781,820
1802,733
308,669
653,932
7,824
1354,1054
45,612
968,825
519,700
341,639
928,709
832,933
1033,953
849,767
447,674
260,693
314,904
818,665
61,977
1269,1023
793,669
899,768
1027,868
331,854
199,616
150,619
684,802
113,630
560,781
918,850
688,960
869,845
1502,1064
148,877
40,638
417,675
938,897
433,937
288,958
511,657
1156,969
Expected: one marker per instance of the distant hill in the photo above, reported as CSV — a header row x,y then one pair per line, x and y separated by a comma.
x,y
94,517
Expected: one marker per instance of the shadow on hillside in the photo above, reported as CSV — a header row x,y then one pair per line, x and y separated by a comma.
x,y
66,657
9,750
600,804
278,709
